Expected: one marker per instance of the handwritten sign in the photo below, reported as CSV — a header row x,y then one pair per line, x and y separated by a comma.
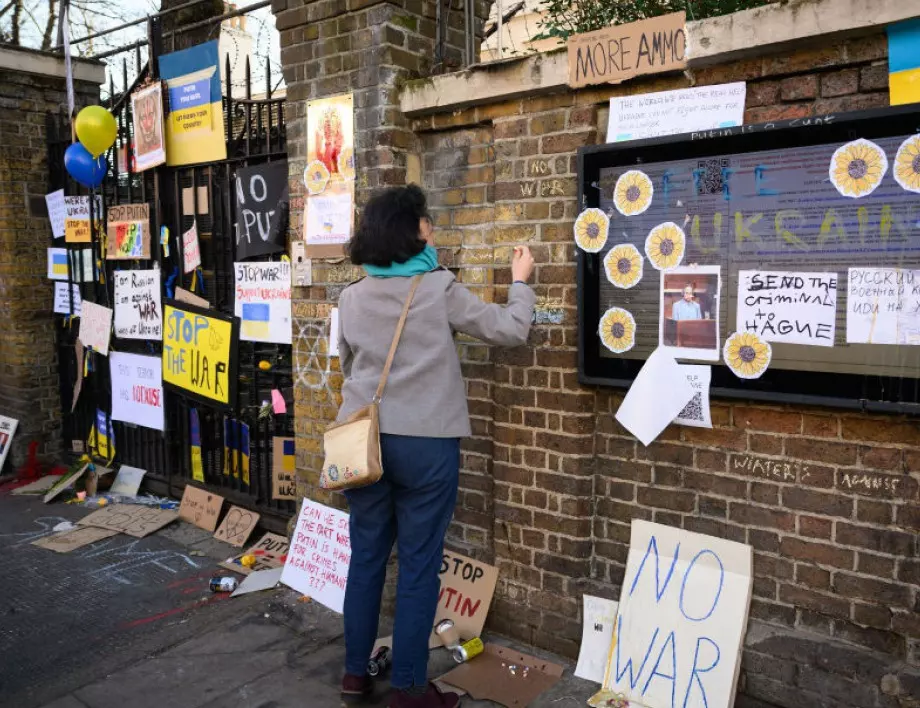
x,y
199,353
66,295
328,221
261,209
200,507
284,484
95,327
790,307
270,551
57,211
68,541
137,389
138,313
263,301
7,430
651,115
237,526
320,553
598,620
128,231
191,251
133,519
883,306
614,54
76,218
467,586
681,619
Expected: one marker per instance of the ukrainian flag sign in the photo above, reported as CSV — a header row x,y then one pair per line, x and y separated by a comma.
x,y
195,121
904,62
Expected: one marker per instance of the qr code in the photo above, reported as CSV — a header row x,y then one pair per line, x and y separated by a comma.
x,y
694,409
710,173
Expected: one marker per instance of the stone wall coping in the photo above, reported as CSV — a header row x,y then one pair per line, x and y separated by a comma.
x,y
33,61
713,41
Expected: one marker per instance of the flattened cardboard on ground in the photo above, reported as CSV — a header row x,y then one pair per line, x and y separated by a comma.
x,y
38,486
133,519
505,676
68,541
258,581
467,586
270,552
237,525
65,483
200,507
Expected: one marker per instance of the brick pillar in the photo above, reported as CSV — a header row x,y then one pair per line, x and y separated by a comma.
x,y
31,84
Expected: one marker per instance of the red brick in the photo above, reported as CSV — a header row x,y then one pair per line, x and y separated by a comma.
x,y
813,577
772,612
879,566
711,527
668,453
881,430
909,572
881,458
764,493
714,484
568,402
906,623
505,129
711,460
817,553
634,471
872,615
674,499
765,541
797,88
909,516
820,426
567,142
878,640
765,444
761,516
875,539
817,502
711,506
762,93
821,451
816,476
666,476
873,590
840,83
875,512
877,484
822,604
813,527
512,475
767,419
771,114
716,437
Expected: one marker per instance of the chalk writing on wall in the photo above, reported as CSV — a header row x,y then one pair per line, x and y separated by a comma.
x,y
777,470
791,307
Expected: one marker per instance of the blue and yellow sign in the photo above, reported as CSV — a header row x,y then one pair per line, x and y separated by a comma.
x,y
904,62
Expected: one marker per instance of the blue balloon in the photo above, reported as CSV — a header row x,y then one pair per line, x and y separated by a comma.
x,y
83,167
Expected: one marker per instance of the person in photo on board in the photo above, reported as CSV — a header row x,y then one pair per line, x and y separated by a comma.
x,y
423,417
687,308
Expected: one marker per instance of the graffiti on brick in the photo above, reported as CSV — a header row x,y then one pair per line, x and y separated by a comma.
x,y
775,470
312,364
862,482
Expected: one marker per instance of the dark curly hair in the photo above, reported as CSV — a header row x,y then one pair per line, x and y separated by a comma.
x,y
389,228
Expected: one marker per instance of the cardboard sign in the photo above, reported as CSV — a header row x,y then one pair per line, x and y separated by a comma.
x,y
466,593
598,619
317,564
237,525
57,211
791,307
7,431
270,551
137,389
191,251
96,327
133,519
183,295
261,209
883,306
138,312
263,301
195,200
147,116
284,484
199,353
128,481
68,541
200,507
128,232
681,619
76,218
614,54
64,296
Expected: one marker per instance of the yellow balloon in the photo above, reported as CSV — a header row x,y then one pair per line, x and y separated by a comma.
x,y
96,129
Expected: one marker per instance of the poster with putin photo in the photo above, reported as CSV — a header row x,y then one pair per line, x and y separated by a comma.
x,y
147,112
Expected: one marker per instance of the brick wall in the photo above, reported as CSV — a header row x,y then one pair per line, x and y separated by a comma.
x,y
29,389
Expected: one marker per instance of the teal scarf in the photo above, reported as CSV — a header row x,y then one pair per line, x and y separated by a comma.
x,y
422,262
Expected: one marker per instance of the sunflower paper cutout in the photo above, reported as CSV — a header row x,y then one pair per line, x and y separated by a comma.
x,y
747,355
665,245
316,177
633,193
591,228
618,330
347,163
857,168
907,164
623,265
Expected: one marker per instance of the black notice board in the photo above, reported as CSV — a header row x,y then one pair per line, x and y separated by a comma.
x,y
759,197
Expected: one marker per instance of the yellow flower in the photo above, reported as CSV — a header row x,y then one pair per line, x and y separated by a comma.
x,y
857,168
907,164
633,193
623,265
315,177
665,245
747,355
347,163
618,330
591,230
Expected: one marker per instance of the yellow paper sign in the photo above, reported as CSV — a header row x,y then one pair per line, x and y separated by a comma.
x,y
199,353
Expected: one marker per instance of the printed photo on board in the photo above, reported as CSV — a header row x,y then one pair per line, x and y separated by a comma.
x,y
689,316
147,111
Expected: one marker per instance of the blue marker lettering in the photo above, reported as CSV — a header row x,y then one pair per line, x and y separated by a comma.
x,y
633,681
659,589
672,677
759,180
695,673
683,586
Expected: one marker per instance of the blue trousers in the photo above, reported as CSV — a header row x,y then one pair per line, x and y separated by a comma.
x,y
412,504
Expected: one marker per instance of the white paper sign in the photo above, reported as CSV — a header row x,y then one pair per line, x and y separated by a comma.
x,y
596,633
334,332
263,301
56,212
790,307
659,392
7,430
651,115
883,306
319,555
137,389
191,252
128,480
80,259
696,413
95,327
681,620
62,299
138,314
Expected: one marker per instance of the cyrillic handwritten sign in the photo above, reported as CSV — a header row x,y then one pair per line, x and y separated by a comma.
x,y
614,54
138,312
883,306
791,307
199,353
681,619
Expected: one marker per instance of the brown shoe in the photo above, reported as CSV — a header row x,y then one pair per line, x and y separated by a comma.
x,y
432,698
357,690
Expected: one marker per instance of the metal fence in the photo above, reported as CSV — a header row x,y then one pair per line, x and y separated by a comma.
x,y
255,133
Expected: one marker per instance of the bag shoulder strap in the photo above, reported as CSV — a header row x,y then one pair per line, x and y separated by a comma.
x,y
416,281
